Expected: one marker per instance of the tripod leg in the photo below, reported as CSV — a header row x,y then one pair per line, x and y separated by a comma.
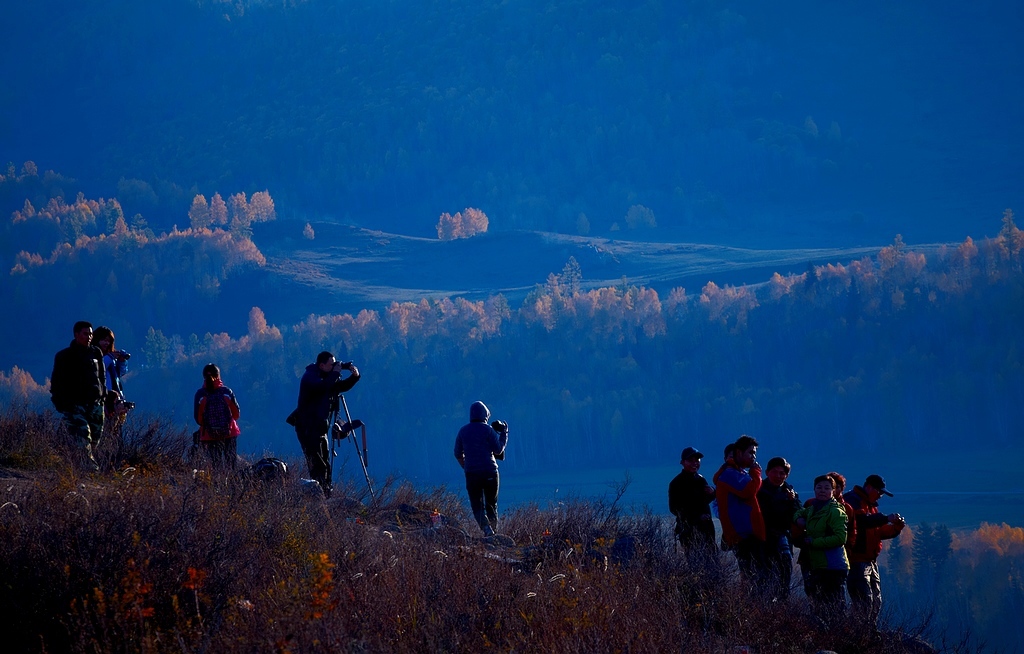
x,y
359,455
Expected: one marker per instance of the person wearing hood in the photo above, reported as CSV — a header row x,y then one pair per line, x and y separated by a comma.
x,y
319,389
78,390
478,448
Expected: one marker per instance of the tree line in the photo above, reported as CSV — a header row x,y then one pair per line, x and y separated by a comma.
x,y
897,351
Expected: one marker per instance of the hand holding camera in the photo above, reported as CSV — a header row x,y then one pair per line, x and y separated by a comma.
x,y
500,426
345,365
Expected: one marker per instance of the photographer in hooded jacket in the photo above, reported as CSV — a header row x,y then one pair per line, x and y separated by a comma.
x,y
478,448
319,389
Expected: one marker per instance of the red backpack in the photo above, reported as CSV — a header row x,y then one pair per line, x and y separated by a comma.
x,y
217,414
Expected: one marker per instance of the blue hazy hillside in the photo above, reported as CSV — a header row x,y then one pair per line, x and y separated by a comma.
x,y
736,122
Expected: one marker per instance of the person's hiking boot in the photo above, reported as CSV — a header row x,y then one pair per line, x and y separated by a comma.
x,y
488,532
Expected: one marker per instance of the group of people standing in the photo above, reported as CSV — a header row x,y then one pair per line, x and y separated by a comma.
x,y
216,411
839,534
85,387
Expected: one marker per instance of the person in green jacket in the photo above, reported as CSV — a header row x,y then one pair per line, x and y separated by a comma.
x,y
820,530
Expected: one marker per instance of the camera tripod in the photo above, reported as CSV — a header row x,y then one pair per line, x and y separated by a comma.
x,y
341,431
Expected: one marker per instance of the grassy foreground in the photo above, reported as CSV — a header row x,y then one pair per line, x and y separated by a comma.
x,y
154,555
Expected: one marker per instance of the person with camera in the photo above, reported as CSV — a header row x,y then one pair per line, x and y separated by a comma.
x,y
319,389
78,389
478,448
736,485
864,583
115,365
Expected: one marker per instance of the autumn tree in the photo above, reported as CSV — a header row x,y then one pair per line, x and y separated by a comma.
x,y
261,207
199,213
474,221
238,209
462,225
218,211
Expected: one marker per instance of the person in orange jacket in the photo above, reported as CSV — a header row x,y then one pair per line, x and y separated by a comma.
x,y
736,486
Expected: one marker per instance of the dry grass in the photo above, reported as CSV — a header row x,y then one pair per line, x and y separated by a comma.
x,y
154,556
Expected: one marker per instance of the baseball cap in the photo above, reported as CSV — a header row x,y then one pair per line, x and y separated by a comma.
x,y
875,481
689,453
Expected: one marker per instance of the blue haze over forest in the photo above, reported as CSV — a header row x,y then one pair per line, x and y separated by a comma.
x,y
782,135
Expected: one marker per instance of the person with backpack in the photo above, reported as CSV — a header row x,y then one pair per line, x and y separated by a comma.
x,y
216,411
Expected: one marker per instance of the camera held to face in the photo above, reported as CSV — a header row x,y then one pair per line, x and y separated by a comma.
x,y
499,426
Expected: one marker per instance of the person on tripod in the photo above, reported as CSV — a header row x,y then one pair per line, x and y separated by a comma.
x,y
478,448
318,396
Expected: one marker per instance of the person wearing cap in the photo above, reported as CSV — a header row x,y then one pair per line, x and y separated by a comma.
x,y
478,448
864,583
779,502
689,500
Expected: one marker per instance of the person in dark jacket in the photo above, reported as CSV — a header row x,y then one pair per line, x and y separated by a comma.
x,y
78,389
864,583
478,448
689,500
319,389
779,502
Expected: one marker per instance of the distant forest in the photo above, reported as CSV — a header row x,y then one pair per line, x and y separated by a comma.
x,y
894,352
723,117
